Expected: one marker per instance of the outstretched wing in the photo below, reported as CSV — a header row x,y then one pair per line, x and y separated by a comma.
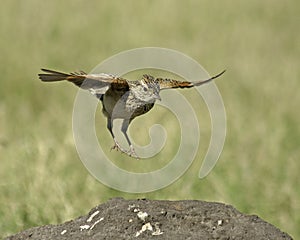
x,y
170,83
95,83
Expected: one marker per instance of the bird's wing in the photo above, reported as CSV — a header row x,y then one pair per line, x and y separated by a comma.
x,y
170,83
95,83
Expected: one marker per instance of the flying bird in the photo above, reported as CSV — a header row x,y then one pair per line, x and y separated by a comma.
x,y
122,98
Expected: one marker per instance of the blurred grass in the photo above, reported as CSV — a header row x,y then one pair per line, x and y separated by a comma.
x,y
42,178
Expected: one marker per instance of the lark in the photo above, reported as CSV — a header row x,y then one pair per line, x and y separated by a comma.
x,y
122,98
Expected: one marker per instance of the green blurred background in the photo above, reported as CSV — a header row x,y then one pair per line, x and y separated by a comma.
x,y
42,178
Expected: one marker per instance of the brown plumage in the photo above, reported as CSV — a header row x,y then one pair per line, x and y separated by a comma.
x,y
121,98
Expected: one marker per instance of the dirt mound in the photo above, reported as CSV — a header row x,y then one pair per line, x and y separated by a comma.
x,y
152,219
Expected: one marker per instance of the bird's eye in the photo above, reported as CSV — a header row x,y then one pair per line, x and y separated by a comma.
x,y
145,89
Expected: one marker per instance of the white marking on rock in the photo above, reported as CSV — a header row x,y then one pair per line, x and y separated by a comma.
x,y
63,232
84,227
136,210
95,223
142,215
145,227
220,222
92,216
157,230
131,206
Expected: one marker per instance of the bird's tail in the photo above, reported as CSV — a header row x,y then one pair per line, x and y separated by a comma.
x,y
53,76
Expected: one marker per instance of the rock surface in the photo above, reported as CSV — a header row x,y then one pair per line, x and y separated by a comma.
x,y
153,219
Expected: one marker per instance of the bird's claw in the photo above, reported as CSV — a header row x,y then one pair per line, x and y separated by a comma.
x,y
130,152
118,147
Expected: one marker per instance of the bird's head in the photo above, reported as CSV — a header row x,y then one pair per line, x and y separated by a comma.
x,y
146,89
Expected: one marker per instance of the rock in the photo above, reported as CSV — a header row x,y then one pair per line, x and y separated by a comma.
x,y
156,219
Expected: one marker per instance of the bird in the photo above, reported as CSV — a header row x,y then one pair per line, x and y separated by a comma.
x,y
121,98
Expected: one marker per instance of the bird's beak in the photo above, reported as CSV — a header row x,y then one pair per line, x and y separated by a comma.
x,y
158,97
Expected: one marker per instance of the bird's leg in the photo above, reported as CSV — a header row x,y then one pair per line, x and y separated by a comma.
x,y
124,129
116,146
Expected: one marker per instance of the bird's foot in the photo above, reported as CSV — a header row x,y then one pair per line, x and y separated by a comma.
x,y
130,152
118,147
